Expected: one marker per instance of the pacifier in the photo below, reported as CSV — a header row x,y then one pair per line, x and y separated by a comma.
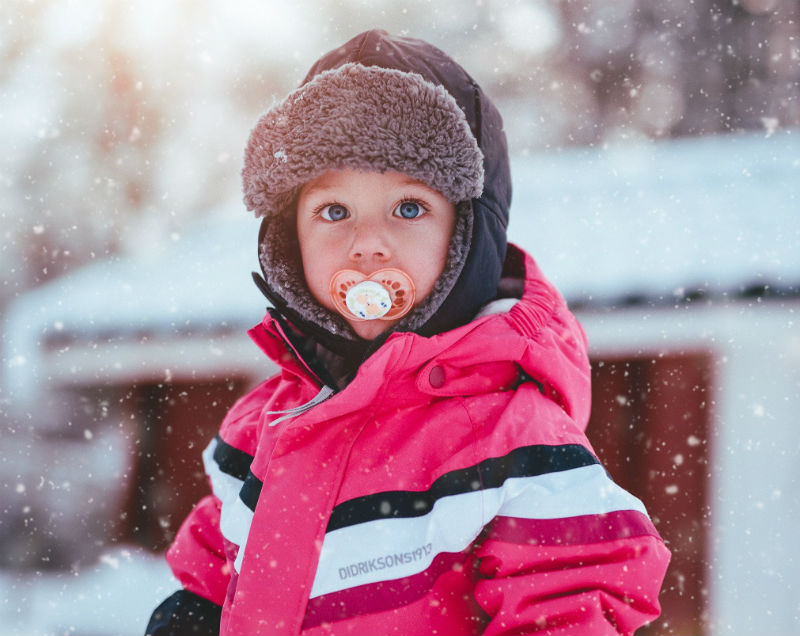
x,y
387,294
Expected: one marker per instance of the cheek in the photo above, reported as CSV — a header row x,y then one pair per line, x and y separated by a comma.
x,y
440,244
429,261
315,269
318,280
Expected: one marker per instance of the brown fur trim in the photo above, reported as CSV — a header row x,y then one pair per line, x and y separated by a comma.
x,y
362,118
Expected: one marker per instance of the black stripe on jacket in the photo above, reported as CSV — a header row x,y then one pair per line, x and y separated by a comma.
x,y
231,460
528,461
236,463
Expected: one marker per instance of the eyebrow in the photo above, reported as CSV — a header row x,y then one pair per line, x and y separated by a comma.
x,y
314,188
408,180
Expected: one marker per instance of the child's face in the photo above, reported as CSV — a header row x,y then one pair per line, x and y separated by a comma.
x,y
367,221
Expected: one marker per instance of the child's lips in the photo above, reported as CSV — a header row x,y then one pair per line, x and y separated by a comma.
x,y
386,294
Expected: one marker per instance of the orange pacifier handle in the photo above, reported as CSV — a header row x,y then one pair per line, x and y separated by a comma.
x,y
387,294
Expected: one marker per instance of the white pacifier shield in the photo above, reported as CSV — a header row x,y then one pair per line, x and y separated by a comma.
x,y
368,300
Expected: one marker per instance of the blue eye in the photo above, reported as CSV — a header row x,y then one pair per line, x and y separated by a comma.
x,y
409,210
334,212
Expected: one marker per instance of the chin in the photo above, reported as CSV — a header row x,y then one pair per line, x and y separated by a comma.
x,y
371,329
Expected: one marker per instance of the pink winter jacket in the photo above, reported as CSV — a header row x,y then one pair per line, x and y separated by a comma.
x,y
448,489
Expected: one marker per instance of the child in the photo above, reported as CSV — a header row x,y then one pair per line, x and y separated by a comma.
x,y
419,465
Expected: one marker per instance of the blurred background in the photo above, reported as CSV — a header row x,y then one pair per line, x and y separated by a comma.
x,y
656,163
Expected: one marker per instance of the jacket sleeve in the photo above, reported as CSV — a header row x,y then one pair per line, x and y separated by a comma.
x,y
587,574
197,559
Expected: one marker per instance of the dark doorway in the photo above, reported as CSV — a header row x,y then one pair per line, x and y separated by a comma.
x,y
176,421
650,426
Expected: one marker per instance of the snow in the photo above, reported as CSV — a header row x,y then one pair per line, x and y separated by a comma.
x,y
201,276
116,595
193,283
714,213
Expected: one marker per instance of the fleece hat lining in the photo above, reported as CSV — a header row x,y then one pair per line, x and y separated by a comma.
x,y
279,254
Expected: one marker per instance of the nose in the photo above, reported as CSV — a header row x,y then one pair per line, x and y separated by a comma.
x,y
369,245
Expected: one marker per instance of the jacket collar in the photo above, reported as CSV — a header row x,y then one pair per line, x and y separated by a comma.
x,y
535,334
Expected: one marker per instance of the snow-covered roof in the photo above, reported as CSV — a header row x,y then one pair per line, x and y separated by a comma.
x,y
650,220
715,215
111,318
198,282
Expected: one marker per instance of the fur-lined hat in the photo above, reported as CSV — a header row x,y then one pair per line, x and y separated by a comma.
x,y
381,103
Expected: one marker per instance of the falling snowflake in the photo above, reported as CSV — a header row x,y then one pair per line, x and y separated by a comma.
x,y
770,125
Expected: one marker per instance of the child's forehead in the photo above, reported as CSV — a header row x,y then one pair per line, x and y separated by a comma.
x,y
348,179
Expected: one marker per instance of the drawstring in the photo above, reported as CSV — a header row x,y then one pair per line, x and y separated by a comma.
x,y
323,395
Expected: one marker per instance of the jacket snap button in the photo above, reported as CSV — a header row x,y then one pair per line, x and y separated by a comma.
x,y
436,377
